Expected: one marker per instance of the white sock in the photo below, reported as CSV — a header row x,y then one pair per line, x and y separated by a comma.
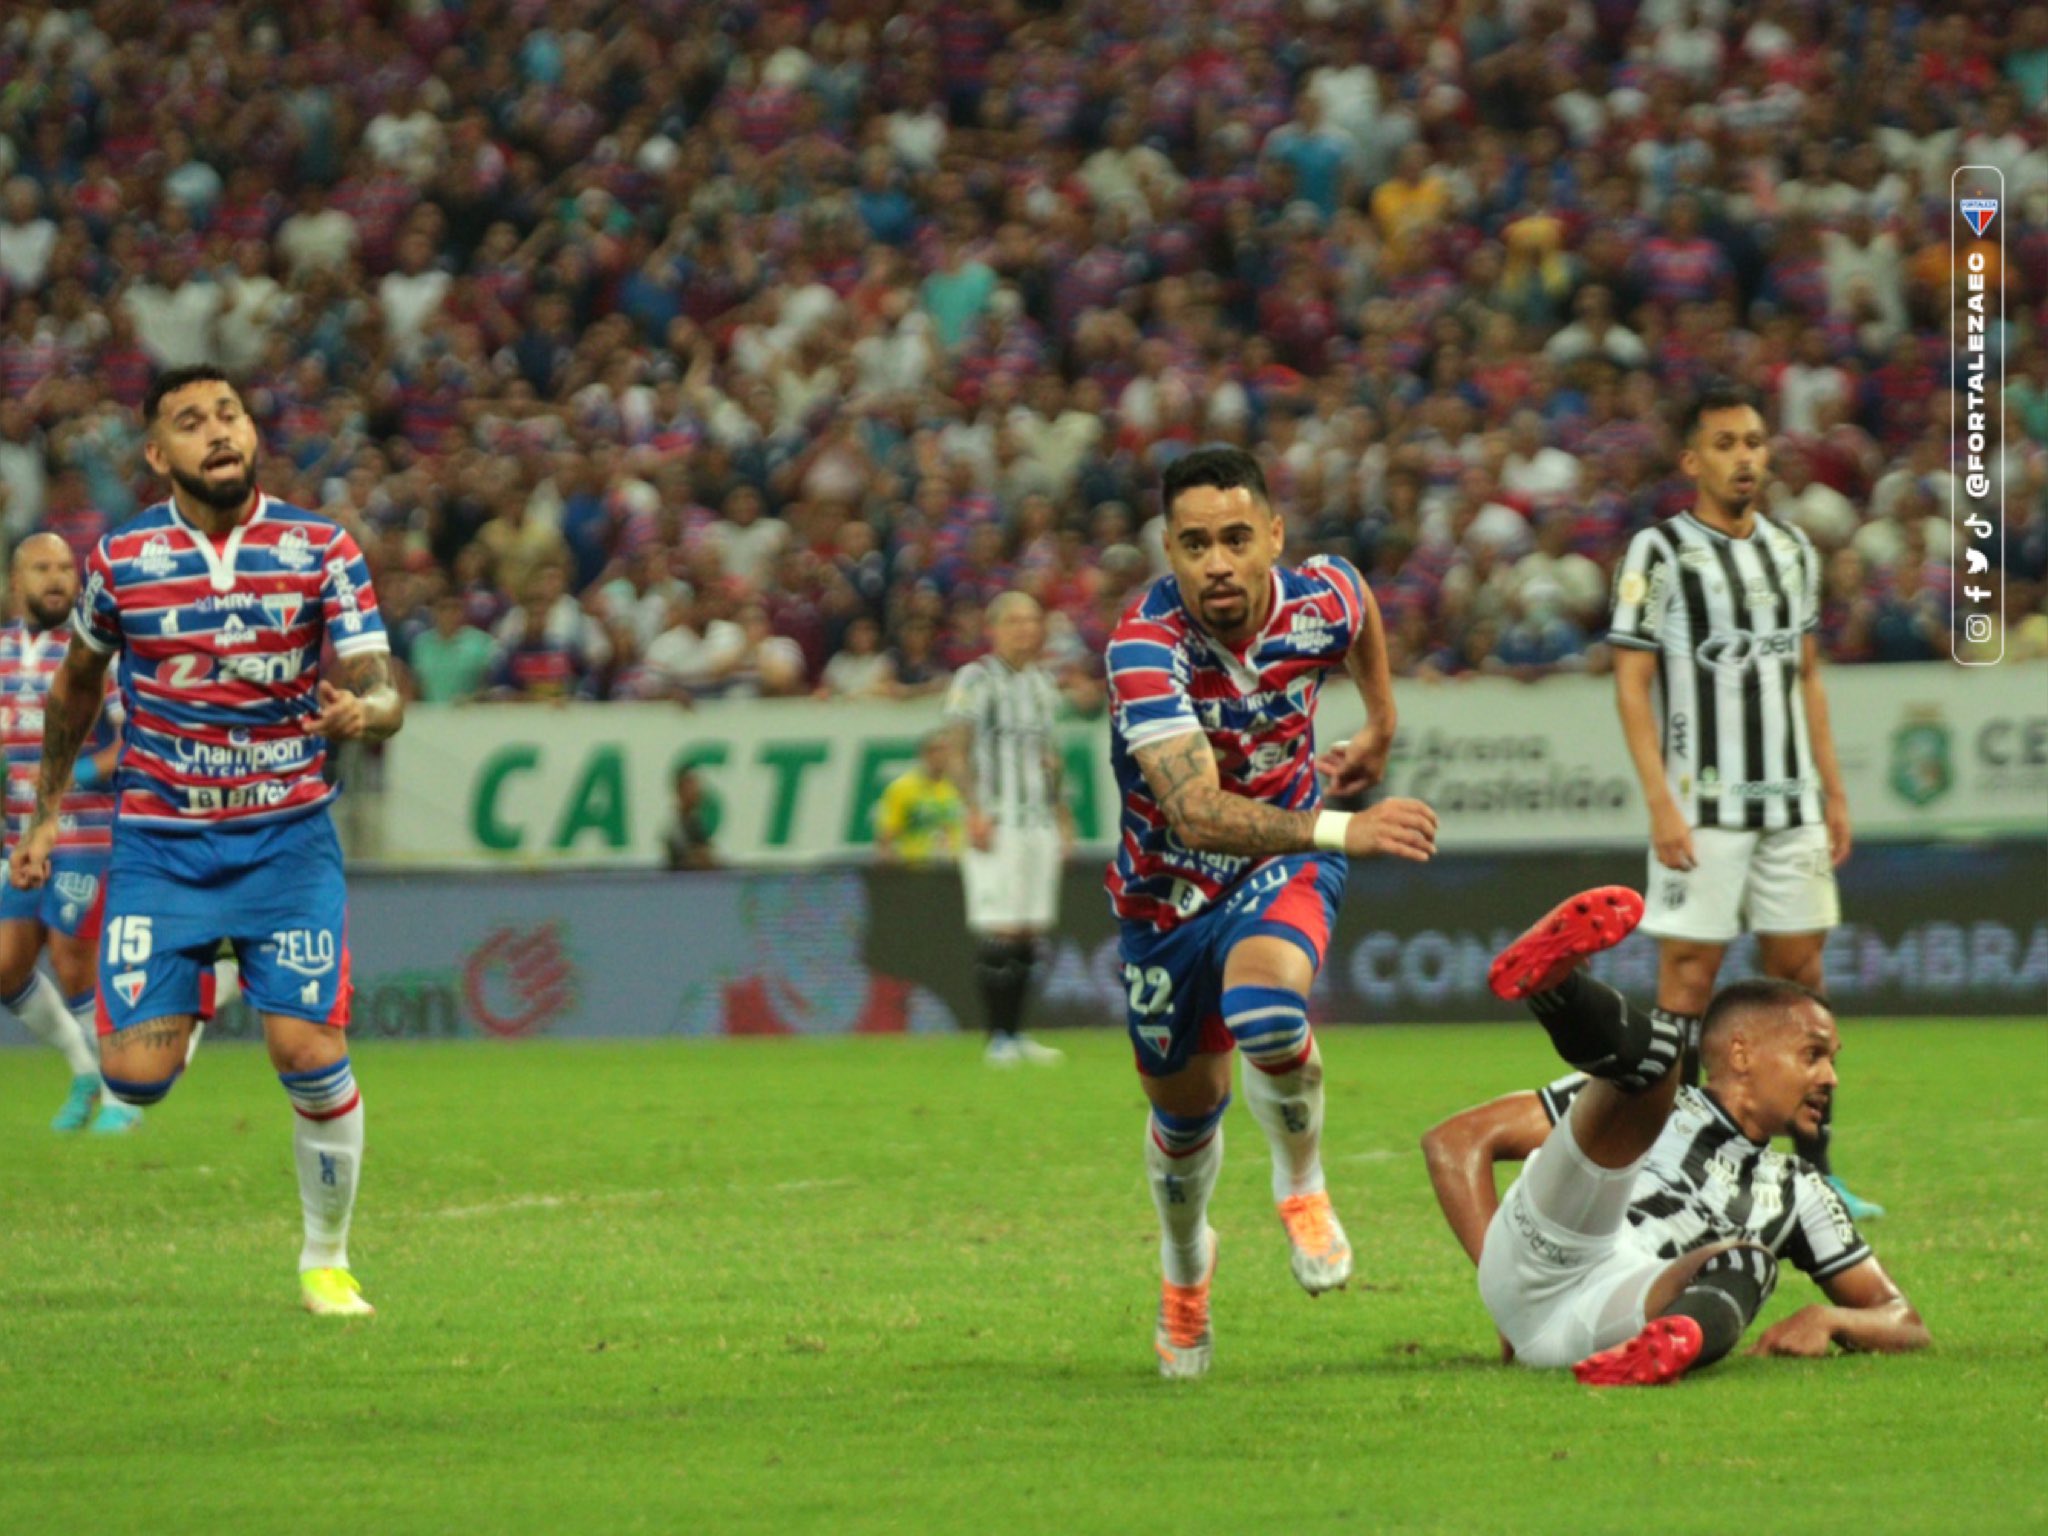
x,y
39,1007
85,1018
227,983
1289,1109
329,1152
1180,1191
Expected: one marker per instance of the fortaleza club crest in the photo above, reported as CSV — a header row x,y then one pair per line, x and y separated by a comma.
x,y
1980,211
1921,770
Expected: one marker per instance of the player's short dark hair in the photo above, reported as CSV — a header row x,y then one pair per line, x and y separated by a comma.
x,y
1719,396
171,380
1759,994
1221,468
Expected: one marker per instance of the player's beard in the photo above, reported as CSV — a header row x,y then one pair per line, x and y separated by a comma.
x,y
46,611
222,496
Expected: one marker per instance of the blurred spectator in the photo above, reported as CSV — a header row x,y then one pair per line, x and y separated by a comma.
x,y
27,239
919,818
451,662
687,844
861,669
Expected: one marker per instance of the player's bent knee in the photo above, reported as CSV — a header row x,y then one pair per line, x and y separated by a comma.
x,y
1270,1026
139,1093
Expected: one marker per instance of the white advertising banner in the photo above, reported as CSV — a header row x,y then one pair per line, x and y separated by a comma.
x,y
1927,751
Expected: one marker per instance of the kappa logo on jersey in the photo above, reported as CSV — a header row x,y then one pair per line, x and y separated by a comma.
x,y
167,622
294,550
309,994
308,951
345,595
76,888
156,559
234,633
284,609
128,986
1980,211
1309,627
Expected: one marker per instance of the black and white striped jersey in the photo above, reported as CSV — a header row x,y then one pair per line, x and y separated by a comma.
x,y
1011,711
1728,620
1705,1182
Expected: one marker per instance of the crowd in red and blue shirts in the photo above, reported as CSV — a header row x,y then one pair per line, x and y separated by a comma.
x,y
683,349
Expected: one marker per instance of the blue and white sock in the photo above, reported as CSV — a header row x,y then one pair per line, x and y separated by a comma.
x,y
327,1143
1183,1154
1283,1081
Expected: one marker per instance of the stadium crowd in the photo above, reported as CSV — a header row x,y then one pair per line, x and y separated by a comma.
x,y
683,348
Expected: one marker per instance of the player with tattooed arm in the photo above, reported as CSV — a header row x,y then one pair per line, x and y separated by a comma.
x,y
1228,872
218,602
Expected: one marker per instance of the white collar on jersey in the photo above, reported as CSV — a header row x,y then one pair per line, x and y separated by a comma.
x,y
220,563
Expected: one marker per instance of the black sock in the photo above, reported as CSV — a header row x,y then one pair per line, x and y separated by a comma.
x,y
1689,1057
1003,968
1597,1030
1815,1148
1725,1297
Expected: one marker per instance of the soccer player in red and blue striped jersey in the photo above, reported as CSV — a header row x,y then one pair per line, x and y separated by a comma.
x,y
1228,871
64,915
218,602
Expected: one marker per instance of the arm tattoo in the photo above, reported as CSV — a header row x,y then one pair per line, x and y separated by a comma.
x,y
1182,775
68,715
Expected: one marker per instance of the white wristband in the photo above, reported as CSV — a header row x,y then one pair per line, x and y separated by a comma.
x,y
1329,833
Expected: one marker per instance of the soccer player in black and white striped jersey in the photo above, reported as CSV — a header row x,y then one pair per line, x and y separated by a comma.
x,y
1645,1231
1717,675
1005,762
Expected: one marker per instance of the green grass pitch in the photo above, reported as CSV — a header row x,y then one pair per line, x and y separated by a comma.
x,y
859,1286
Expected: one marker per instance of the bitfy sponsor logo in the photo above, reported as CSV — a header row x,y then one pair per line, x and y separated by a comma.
x,y
1976,425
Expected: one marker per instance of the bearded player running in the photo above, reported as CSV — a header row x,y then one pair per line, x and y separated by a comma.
x,y
1228,875
220,601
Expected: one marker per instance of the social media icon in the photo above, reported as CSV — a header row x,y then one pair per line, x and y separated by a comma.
x,y
1977,628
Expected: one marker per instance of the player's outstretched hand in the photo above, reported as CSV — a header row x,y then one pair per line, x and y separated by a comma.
x,y
1405,829
1808,1333
1353,767
340,717
29,865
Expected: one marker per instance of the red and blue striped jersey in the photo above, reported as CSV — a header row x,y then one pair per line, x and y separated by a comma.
x,y
29,658
220,648
1256,705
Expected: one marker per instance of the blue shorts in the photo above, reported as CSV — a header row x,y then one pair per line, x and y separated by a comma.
x,y
68,902
274,892
1173,981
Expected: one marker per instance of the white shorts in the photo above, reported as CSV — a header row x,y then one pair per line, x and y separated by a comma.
x,y
1557,1295
1767,882
1016,884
